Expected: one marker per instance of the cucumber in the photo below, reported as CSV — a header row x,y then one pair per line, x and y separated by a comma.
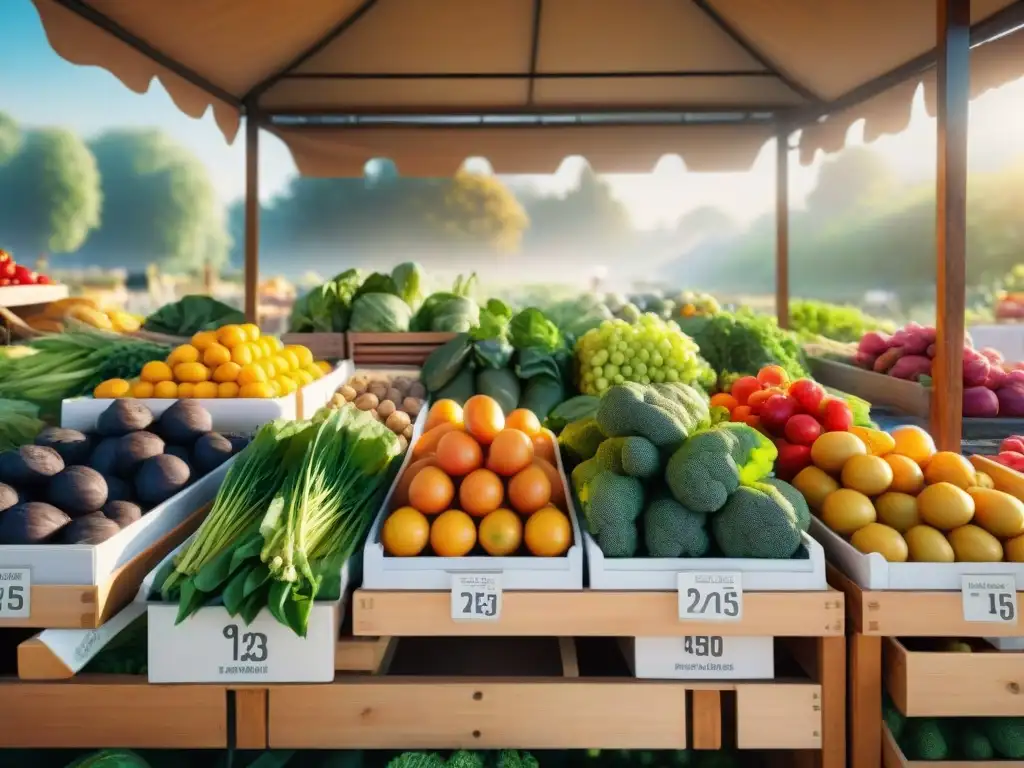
x,y
446,362
501,384
459,389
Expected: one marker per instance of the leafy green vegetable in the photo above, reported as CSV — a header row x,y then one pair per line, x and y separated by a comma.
x,y
530,328
326,308
423,320
191,314
464,286
494,321
456,315
573,409
379,313
744,343
378,282
19,423
492,353
408,279
445,362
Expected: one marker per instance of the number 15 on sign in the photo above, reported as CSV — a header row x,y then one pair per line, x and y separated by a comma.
x,y
990,598
710,596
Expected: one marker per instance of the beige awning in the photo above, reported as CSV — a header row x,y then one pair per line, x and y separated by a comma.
x,y
444,57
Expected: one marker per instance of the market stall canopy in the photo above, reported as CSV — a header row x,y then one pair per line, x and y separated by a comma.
x,y
621,82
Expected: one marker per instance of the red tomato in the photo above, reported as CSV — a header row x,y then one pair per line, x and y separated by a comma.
x,y
1013,443
802,429
757,400
5,281
792,458
744,387
741,413
837,416
808,393
777,410
43,280
753,421
773,376
7,269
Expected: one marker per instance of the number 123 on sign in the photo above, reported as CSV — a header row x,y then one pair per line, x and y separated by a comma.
x,y
710,596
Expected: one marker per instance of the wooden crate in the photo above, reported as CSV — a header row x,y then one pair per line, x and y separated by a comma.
x,y
878,389
382,349
87,606
893,757
324,346
98,711
949,684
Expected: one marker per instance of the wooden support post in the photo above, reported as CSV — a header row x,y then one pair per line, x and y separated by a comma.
x,y
953,54
865,685
832,677
707,719
252,215
782,227
250,718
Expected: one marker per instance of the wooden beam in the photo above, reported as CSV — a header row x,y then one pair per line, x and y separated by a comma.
x,y
252,218
782,227
953,57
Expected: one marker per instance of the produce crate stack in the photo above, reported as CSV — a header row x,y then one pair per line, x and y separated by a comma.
x,y
384,349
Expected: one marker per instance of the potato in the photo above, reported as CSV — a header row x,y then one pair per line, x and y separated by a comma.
x,y
359,383
417,390
407,432
397,422
378,388
412,406
348,393
338,400
394,395
367,402
386,408
401,383
402,441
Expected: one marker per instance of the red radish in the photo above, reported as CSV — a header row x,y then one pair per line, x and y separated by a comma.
x,y
837,416
802,429
777,410
1011,459
744,387
772,376
792,458
808,393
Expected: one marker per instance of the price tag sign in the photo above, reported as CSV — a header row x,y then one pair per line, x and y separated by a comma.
x,y
991,599
704,657
710,596
476,596
15,593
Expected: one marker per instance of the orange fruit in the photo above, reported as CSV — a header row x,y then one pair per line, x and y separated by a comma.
x,y
524,420
443,412
243,353
216,354
431,491
231,336
186,390
557,489
458,454
510,452
205,390
203,339
548,533
914,443
481,492
950,467
252,331
907,476
227,372
400,496
427,442
165,389
501,532
142,389
228,389
405,533
154,372
184,353
193,373
871,475
529,490
249,374
483,418
452,534
544,443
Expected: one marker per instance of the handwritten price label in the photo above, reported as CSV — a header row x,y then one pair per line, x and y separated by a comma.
x,y
710,596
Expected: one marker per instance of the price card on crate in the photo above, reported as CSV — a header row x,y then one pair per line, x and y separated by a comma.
x,y
476,596
991,599
212,647
15,593
714,596
704,657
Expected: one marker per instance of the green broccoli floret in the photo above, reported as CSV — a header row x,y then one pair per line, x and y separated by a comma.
x,y
712,464
665,414
671,530
757,521
579,440
466,759
1006,735
974,744
511,758
583,473
796,500
417,760
633,456
924,738
611,505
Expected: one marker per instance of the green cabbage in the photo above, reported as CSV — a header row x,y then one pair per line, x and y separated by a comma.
x,y
379,313
456,315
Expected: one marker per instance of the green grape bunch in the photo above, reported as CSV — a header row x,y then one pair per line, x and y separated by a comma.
x,y
650,351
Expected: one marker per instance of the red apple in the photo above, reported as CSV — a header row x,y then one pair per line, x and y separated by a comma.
x,y
802,429
808,393
776,411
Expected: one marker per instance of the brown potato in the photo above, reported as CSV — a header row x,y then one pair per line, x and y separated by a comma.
x,y
367,402
386,408
412,406
397,422
348,393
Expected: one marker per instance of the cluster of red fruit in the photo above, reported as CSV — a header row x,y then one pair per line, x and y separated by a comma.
x,y
18,274
1011,452
793,414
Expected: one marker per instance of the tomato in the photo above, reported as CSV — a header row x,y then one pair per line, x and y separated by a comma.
x,y
5,281
724,400
777,410
744,387
837,416
792,458
741,413
7,269
802,429
44,280
15,281
757,400
808,393
773,376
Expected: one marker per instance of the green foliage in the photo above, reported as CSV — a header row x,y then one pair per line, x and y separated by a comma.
x,y
745,342
476,210
568,411
758,522
191,314
833,321
327,307
379,313
51,192
10,138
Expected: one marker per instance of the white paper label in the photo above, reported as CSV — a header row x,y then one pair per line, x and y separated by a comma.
x,y
990,599
704,657
476,596
710,596
15,593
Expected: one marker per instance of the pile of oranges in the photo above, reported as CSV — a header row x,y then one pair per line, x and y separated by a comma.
x,y
232,361
479,479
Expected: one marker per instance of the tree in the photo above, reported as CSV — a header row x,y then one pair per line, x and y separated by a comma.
x,y
160,204
475,209
51,193
10,138
857,176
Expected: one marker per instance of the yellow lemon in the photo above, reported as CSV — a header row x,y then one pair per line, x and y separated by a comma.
x,y
268,366
227,372
185,353
291,358
192,373
288,384
204,339
251,374
315,371
242,354
166,390
302,377
231,336
302,353
216,354
227,389
323,366
156,371
252,331
257,389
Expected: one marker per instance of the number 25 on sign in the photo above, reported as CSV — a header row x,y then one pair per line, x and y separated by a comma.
x,y
710,596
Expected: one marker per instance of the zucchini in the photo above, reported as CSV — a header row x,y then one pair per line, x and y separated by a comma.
x,y
446,362
501,384
459,389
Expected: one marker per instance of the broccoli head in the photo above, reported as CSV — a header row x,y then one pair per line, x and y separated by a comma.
x,y
925,738
417,760
466,759
663,413
1006,735
796,500
758,522
671,530
710,465
611,505
511,758
633,456
579,440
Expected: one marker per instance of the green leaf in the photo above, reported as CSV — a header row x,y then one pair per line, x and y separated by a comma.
x,y
190,601
254,603
215,573
234,592
531,328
